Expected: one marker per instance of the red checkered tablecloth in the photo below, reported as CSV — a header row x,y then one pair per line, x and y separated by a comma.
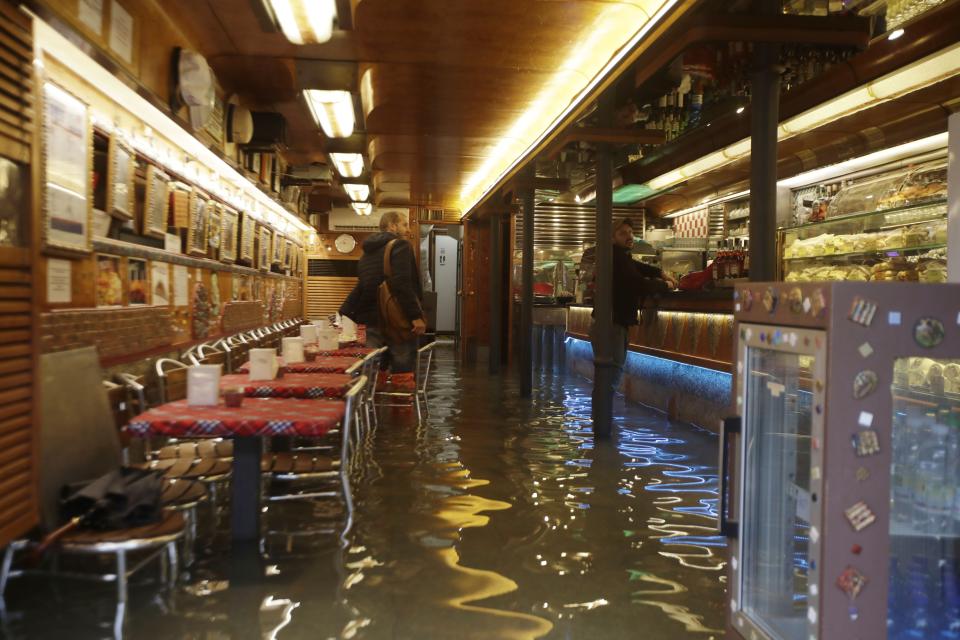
x,y
256,417
344,352
291,385
324,364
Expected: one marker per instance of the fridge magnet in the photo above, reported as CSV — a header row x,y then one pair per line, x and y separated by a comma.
x,y
747,301
854,613
928,332
860,516
862,311
851,582
818,302
862,474
866,350
894,318
770,299
796,300
856,549
819,385
866,419
866,443
864,384
807,305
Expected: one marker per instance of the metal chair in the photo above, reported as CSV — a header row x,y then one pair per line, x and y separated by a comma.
x,y
294,466
370,369
206,354
424,361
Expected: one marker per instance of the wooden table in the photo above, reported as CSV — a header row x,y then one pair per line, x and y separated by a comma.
x,y
247,425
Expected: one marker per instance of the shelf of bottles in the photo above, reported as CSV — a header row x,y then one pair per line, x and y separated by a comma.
x,y
892,13
710,81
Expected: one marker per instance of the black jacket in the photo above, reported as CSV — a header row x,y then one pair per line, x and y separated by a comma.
x,y
361,305
632,281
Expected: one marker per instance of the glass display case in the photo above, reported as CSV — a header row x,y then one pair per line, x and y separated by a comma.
x,y
844,462
891,226
554,276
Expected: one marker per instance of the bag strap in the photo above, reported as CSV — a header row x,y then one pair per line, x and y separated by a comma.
x,y
387,270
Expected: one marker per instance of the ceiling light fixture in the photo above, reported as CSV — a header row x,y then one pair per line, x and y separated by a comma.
x,y
362,208
304,21
332,111
348,165
934,68
357,192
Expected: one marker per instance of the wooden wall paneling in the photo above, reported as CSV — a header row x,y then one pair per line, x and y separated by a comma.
x,y
19,462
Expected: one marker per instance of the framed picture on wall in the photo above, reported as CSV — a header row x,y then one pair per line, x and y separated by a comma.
x,y
248,237
263,260
197,229
180,199
156,203
121,166
288,249
229,221
160,283
109,281
276,252
138,284
213,228
67,171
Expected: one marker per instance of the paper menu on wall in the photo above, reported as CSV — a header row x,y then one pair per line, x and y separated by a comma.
x,y
90,13
181,286
58,281
121,32
263,364
203,385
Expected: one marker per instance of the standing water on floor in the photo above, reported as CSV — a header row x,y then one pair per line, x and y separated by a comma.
x,y
495,518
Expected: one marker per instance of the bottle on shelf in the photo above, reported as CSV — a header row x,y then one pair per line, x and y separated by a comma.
x,y
746,257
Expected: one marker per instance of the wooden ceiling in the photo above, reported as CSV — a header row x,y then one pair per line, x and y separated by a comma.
x,y
441,81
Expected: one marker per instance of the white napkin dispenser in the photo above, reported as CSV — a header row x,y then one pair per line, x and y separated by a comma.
x,y
328,339
348,332
263,364
292,349
203,385
309,333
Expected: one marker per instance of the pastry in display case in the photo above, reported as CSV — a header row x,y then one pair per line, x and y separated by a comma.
x,y
890,226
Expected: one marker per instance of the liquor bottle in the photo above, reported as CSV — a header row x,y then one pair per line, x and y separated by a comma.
x,y
682,116
669,118
695,106
746,258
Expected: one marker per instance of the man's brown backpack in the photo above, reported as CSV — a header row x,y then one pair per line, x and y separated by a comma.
x,y
394,324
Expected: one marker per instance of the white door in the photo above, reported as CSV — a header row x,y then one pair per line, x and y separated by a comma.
x,y
445,282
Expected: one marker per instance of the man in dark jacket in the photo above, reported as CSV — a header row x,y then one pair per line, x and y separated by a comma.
x,y
632,282
361,305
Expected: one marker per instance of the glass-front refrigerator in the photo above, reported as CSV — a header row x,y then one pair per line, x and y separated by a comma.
x,y
840,470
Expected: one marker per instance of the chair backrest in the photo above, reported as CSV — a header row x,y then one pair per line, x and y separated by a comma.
x,y
117,397
136,393
78,437
172,378
424,362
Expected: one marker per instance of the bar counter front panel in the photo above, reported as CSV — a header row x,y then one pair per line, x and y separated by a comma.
x,y
680,354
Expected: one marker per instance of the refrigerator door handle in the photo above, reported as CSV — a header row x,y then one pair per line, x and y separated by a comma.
x,y
730,425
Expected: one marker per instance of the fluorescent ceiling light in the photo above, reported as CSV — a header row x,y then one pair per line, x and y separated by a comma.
x,y
710,203
877,158
305,21
362,208
357,192
332,111
619,28
348,165
934,68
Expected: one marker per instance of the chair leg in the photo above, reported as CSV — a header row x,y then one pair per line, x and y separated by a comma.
x,y
122,577
12,548
174,562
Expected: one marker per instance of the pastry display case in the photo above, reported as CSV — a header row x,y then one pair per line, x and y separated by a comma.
x,y
554,276
891,226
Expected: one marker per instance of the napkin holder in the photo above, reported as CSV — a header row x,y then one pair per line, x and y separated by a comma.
x,y
348,331
292,349
203,385
263,364
322,323
309,333
327,339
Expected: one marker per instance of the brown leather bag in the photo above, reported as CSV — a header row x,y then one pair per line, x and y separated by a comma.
x,y
394,323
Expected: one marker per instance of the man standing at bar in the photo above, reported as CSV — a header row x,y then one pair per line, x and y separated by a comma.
x,y
632,282
361,305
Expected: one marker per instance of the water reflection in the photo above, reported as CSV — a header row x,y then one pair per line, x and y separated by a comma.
x,y
496,518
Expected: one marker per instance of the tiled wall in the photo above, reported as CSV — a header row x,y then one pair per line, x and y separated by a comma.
x,y
115,332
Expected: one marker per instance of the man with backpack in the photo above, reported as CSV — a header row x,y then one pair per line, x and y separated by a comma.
x,y
388,297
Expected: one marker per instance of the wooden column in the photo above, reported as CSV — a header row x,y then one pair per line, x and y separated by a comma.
x,y
604,368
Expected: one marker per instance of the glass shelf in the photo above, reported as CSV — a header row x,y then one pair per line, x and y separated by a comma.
x,y
938,202
875,253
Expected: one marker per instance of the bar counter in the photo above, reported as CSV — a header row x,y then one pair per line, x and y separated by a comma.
x,y
680,354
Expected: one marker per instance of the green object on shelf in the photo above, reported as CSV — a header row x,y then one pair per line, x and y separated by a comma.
x,y
630,193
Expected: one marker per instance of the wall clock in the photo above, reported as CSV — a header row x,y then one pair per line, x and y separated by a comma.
x,y
345,243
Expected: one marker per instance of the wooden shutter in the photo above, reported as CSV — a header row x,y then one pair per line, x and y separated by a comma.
x,y
18,454
325,294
